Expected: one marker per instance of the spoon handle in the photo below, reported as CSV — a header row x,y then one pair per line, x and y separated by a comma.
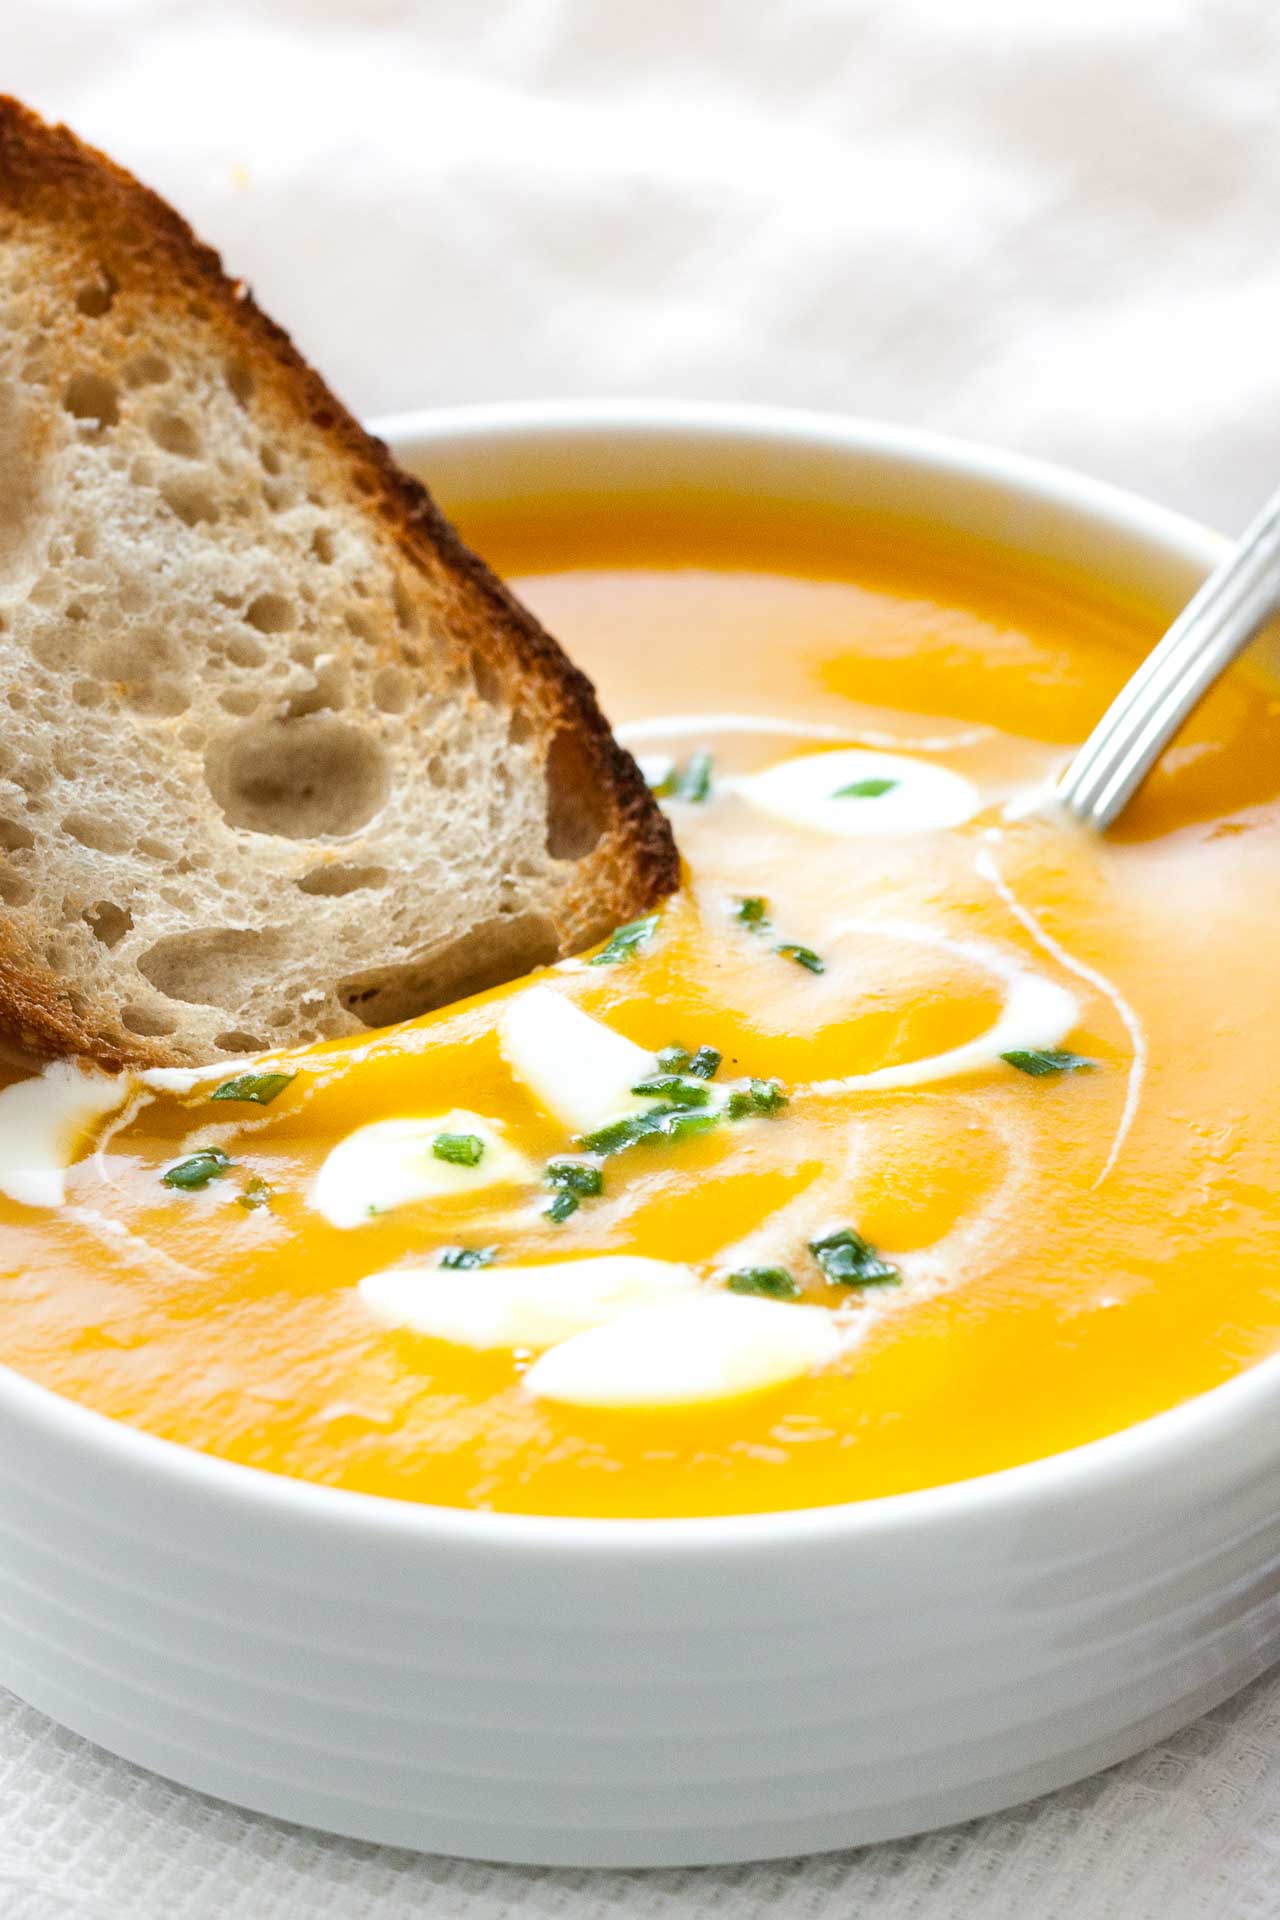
x,y
1216,625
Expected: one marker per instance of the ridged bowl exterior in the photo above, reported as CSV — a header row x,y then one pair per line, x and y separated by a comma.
x,y
658,1693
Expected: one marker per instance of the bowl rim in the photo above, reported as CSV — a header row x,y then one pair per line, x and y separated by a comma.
x,y
1180,1435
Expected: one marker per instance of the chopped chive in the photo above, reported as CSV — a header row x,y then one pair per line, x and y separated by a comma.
x,y
625,942
803,956
564,1204
684,1126
261,1088
467,1257
575,1176
753,912
864,789
189,1175
704,1064
850,1261
1041,1061
775,1283
459,1149
691,781
759,1096
670,1087
255,1194
617,1136
659,1123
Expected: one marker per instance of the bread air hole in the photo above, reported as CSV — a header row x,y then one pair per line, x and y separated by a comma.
x,y
212,967
333,881
146,370
272,613
149,1023
328,689
191,499
108,922
237,1042
91,830
14,837
301,778
145,665
95,297
244,651
577,808
175,435
392,689
485,956
241,701
92,397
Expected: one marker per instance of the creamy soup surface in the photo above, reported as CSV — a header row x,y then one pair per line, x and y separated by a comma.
x,y
919,1135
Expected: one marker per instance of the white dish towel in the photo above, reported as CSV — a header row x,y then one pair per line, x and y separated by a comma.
x,y
1050,225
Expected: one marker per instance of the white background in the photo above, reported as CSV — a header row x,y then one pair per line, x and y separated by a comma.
x,y
1054,225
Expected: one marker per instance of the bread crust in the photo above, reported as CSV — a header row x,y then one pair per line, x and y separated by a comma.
x,y
50,178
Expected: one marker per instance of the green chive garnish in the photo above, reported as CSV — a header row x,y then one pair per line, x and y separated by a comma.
x,y
753,913
197,1171
1041,1061
850,1261
261,1088
704,1064
659,1123
803,956
670,1087
775,1283
467,1257
575,1176
459,1149
564,1204
617,1136
864,790
625,942
760,1096
684,1126
256,1194
692,781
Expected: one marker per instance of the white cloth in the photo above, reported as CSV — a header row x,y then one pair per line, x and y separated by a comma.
x,y
1051,225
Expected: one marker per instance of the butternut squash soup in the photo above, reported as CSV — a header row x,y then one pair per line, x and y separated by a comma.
x,y
919,1135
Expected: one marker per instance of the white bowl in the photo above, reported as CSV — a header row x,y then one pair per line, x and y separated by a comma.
x,y
660,1692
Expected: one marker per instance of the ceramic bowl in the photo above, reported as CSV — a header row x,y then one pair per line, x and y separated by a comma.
x,y
633,1693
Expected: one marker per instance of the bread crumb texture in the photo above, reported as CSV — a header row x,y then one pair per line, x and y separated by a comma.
x,y
280,759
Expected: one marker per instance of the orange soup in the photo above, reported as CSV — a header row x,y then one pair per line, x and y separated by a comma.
x,y
919,1135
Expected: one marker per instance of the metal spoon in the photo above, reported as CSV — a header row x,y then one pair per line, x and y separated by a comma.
x,y
1235,602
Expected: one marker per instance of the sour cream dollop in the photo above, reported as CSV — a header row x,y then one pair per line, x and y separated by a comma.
x,y
708,1346
393,1163
859,794
521,1306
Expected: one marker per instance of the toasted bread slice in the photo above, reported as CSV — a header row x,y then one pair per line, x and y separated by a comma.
x,y
280,757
